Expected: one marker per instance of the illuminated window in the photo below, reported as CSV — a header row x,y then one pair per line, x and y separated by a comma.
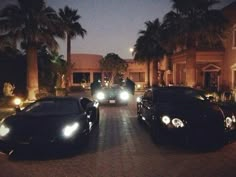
x,y
137,76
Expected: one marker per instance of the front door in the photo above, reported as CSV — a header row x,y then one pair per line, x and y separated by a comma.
x,y
211,80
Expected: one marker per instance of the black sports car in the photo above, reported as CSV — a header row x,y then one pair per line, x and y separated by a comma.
x,y
184,114
49,121
112,95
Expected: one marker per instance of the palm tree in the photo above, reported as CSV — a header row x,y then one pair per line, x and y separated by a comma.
x,y
50,64
148,48
35,24
72,28
59,65
192,25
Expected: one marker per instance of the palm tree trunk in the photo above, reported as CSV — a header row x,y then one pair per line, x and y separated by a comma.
x,y
155,78
32,73
69,72
148,73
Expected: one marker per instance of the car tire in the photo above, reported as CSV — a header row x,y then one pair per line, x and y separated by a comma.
x,y
94,113
83,140
139,117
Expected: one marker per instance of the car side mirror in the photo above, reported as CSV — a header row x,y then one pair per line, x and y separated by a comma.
x,y
211,98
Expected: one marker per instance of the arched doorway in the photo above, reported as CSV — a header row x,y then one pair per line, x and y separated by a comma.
x,y
211,77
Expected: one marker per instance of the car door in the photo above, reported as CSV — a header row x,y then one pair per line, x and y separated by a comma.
x,y
87,106
147,106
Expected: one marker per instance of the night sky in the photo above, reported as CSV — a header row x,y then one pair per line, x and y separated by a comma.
x,y
112,25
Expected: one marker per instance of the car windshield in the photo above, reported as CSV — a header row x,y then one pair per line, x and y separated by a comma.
x,y
112,89
53,107
178,95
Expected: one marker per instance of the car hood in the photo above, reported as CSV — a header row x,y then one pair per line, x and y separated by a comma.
x,y
38,125
191,110
111,92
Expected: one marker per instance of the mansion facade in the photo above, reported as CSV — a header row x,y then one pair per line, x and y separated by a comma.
x,y
211,70
86,69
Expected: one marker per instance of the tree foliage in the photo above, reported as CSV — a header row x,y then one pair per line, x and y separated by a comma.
x,y
35,24
193,24
51,64
72,28
114,65
148,46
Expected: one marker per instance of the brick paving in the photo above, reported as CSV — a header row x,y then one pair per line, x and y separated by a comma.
x,y
121,147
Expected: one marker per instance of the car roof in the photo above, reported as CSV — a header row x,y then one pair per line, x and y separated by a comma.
x,y
59,98
177,88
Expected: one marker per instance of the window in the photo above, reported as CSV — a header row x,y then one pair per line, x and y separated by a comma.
x,y
137,76
80,77
97,76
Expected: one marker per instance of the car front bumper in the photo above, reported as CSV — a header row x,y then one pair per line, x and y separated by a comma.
x,y
195,137
112,102
6,145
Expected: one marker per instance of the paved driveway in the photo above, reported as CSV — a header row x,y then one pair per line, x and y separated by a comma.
x,y
121,147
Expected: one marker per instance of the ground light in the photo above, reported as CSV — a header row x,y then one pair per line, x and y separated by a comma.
x,y
17,102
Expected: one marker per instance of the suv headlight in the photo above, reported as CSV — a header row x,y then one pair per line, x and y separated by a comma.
x,y
100,96
124,95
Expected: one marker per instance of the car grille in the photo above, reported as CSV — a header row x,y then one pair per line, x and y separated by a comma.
x,y
206,127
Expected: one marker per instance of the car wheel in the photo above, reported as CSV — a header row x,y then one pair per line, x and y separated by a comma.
x,y
94,114
156,134
82,140
139,117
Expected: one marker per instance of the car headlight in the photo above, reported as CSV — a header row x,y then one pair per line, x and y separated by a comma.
x,y
69,130
124,95
100,96
229,121
173,122
165,120
177,123
4,130
138,99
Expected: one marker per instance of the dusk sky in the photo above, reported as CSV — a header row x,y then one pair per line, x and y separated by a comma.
x,y
112,25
